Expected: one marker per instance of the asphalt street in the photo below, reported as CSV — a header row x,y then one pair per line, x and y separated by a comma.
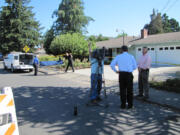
x,y
44,106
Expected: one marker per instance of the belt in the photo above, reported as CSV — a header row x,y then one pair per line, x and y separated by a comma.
x,y
125,72
146,70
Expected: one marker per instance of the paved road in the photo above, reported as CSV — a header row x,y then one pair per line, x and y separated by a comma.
x,y
44,106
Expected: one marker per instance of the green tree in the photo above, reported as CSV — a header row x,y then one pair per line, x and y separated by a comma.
x,y
101,38
74,43
156,25
174,25
98,38
166,23
122,35
70,17
48,38
18,26
161,24
170,25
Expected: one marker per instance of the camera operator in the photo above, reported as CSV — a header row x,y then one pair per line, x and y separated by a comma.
x,y
97,67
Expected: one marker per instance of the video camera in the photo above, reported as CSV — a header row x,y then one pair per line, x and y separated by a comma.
x,y
99,54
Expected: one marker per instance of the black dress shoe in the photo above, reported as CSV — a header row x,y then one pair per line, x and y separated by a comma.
x,y
129,107
98,99
123,106
139,95
145,98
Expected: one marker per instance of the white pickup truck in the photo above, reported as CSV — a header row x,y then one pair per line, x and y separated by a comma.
x,y
19,61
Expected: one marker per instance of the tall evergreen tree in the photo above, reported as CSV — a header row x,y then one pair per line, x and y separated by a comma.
x,y
155,26
70,17
166,23
48,38
161,24
174,25
18,26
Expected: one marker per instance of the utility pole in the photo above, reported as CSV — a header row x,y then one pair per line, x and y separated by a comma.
x,y
123,37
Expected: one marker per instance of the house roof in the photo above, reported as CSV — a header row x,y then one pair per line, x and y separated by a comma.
x,y
151,39
116,42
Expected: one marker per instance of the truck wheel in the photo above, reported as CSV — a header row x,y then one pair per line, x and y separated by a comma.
x,y
12,68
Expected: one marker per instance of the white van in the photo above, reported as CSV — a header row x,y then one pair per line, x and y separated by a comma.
x,y
19,61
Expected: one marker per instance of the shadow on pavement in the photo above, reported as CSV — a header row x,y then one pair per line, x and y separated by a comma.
x,y
51,108
3,71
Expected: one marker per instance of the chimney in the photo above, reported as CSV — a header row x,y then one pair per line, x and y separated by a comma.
x,y
144,33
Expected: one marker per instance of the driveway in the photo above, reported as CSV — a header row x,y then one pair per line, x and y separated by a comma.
x,y
157,72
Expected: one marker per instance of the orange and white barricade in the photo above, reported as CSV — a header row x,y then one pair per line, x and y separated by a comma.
x,y
8,119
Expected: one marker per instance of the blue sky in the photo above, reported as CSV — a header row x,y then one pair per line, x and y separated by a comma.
x,y
125,15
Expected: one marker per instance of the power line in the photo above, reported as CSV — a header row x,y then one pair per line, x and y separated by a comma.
x,y
172,5
166,5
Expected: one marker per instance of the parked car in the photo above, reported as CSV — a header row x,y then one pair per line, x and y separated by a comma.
x,y
1,56
19,61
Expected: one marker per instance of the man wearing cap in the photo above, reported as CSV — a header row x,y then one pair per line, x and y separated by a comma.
x,y
144,65
126,65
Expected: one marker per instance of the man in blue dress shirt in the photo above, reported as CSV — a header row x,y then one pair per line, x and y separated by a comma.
x,y
35,63
126,65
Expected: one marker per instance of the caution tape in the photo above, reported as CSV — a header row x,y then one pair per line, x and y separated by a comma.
x,y
8,119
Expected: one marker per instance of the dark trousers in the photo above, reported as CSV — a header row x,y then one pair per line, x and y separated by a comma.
x,y
69,64
35,69
126,88
143,82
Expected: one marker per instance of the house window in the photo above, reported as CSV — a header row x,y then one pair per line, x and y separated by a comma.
x,y
166,48
171,48
152,49
160,48
178,47
139,49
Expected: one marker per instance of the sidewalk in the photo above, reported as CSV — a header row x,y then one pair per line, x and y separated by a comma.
x,y
162,98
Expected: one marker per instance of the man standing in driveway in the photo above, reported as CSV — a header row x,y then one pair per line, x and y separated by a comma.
x,y
126,65
144,65
35,63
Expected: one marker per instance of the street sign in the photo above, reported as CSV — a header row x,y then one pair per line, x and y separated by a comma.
x,y
26,49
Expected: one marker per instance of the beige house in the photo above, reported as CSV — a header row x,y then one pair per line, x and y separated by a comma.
x,y
163,48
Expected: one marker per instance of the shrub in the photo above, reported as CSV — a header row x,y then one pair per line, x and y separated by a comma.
x,y
74,43
48,58
171,85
